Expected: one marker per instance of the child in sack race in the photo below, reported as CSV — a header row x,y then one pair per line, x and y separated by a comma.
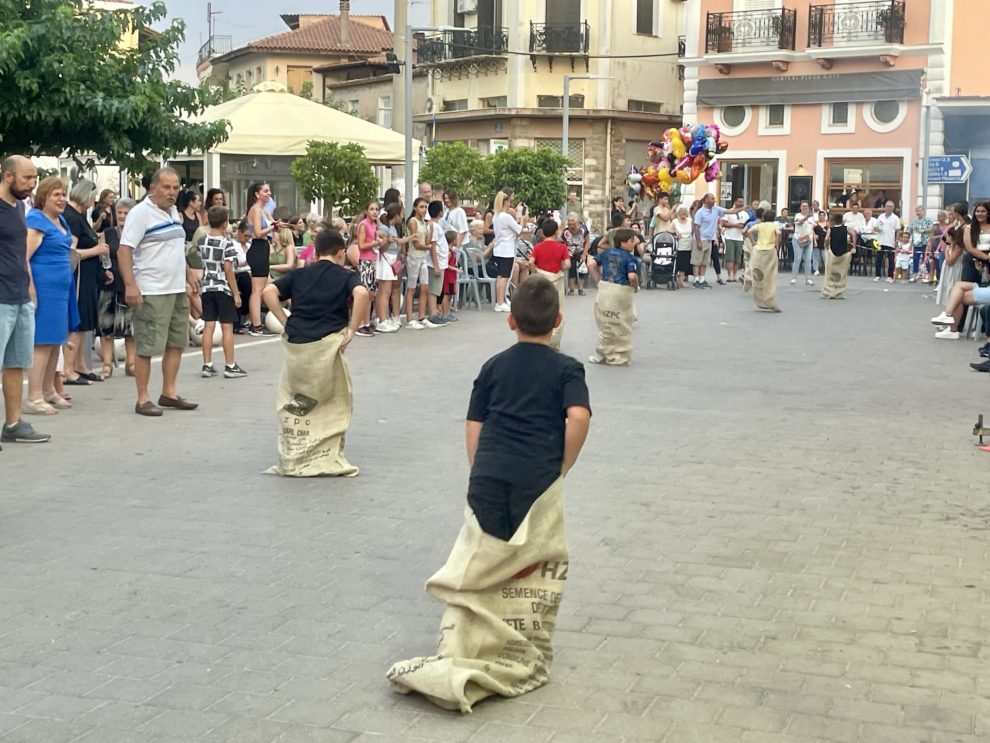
x,y
616,271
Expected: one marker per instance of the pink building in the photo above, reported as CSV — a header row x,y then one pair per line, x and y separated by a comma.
x,y
818,99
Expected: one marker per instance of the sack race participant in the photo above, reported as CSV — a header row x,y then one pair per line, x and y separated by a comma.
x,y
841,246
503,581
313,401
617,273
551,259
763,262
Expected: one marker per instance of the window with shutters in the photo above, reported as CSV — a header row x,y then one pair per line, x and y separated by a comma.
x,y
646,17
563,12
575,153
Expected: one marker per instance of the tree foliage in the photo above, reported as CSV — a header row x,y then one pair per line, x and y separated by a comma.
x,y
537,175
68,84
458,167
339,174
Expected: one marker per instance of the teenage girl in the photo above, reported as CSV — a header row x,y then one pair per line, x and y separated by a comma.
x,y
258,194
388,280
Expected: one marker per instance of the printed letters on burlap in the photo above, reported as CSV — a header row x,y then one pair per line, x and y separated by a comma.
x,y
502,600
559,281
764,271
313,405
836,274
614,315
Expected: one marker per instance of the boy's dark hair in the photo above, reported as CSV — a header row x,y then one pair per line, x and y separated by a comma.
x,y
217,216
549,228
243,226
329,242
621,236
617,220
535,306
662,195
769,216
837,219
450,236
435,209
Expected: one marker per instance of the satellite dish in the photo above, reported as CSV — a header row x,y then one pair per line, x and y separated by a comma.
x,y
429,105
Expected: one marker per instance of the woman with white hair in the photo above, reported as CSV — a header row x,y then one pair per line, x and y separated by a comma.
x,y
683,228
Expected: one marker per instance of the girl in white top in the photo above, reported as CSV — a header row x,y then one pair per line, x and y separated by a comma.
x,y
507,230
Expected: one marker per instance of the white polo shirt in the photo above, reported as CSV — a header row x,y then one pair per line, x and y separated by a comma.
x,y
159,244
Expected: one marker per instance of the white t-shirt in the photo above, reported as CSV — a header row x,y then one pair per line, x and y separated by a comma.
x,y
159,244
889,227
684,229
456,220
441,246
734,231
869,227
856,220
507,229
242,264
803,225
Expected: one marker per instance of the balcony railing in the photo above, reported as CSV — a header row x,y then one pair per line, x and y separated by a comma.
x,y
751,30
214,47
463,44
851,23
682,46
558,38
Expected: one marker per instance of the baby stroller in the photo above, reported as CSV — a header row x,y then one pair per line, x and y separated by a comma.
x,y
663,254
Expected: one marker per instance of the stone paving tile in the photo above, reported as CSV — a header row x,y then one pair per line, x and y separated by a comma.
x,y
764,573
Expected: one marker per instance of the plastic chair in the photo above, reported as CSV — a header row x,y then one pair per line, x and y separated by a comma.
x,y
467,284
477,266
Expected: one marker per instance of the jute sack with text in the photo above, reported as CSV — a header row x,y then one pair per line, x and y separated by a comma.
x,y
614,315
559,281
313,405
764,263
502,600
836,274
747,267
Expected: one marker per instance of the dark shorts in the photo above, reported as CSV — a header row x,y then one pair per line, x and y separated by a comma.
x,y
501,506
504,266
257,258
218,307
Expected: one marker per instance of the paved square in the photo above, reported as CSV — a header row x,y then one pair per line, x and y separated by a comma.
x,y
778,533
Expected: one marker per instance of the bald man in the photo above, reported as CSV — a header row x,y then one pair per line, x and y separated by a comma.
x,y
18,178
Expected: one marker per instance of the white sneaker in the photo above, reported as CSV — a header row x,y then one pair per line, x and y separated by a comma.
x,y
793,281
427,324
876,279
817,273
948,334
415,325
943,319
503,307
890,281
387,326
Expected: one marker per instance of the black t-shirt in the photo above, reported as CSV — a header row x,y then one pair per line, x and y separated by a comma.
x,y
319,295
81,229
838,240
112,236
522,396
13,254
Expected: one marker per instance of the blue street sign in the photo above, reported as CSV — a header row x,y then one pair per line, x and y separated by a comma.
x,y
949,169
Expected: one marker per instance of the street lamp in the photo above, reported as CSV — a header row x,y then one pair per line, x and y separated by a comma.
x,y
565,133
407,100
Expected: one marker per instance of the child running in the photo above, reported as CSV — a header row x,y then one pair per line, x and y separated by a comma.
x,y
617,272
220,295
551,259
841,246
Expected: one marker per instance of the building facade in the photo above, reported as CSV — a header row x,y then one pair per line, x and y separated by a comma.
x,y
496,80
819,100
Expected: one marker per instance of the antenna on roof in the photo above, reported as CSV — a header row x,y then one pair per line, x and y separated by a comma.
x,y
210,15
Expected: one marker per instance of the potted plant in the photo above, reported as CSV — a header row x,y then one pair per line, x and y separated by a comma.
x,y
723,39
891,20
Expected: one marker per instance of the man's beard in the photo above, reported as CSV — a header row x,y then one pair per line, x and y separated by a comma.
x,y
20,194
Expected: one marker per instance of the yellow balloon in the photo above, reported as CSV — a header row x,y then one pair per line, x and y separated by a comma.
x,y
684,176
679,149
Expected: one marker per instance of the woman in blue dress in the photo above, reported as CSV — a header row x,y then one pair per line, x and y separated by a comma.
x,y
48,246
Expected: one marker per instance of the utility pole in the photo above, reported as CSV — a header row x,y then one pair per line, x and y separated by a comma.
x,y
399,31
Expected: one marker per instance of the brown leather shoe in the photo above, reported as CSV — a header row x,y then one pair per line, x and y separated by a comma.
x,y
147,408
177,402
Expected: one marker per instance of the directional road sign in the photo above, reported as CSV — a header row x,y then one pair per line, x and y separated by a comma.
x,y
949,169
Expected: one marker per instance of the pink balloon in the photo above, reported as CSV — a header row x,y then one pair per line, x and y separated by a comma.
x,y
713,171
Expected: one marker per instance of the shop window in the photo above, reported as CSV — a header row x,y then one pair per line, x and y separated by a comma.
x,y
867,180
753,180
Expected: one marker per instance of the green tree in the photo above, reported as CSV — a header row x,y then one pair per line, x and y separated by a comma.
x,y
69,85
537,175
339,174
459,167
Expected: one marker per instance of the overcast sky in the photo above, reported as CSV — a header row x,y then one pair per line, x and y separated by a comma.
x,y
247,20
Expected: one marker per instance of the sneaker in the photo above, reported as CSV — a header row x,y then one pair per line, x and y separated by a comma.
x,y
23,433
809,282
438,320
450,318
817,273
985,351
948,334
876,279
260,331
943,319
793,282
596,360
234,372
503,307
386,326
365,332
208,371
426,323
981,366
890,281
415,325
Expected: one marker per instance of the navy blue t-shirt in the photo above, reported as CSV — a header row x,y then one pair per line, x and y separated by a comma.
x,y
13,255
616,265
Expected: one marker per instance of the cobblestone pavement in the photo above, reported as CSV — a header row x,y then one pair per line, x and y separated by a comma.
x,y
777,534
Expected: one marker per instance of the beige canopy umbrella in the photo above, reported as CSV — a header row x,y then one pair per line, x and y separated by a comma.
x,y
271,121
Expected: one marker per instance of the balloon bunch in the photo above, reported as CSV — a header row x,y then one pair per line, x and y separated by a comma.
x,y
682,156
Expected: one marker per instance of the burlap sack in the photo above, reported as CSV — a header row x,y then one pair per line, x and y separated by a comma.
x,y
764,271
836,274
614,315
313,404
502,600
559,281
747,267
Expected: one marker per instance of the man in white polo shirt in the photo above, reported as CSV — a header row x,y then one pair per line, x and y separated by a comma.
x,y
152,260
888,225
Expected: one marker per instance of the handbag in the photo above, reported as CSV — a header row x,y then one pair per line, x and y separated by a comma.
x,y
582,268
804,240
397,267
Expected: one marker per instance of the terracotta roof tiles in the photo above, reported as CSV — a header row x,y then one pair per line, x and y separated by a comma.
x,y
324,36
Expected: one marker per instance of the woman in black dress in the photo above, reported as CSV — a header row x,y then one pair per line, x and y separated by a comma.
x,y
90,276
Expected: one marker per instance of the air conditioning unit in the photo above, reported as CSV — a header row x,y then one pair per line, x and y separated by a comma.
x,y
467,6
429,105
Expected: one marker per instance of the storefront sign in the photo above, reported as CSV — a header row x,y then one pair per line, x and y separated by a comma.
x,y
852,176
891,85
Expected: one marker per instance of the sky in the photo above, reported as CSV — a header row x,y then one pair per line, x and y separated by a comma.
x,y
246,20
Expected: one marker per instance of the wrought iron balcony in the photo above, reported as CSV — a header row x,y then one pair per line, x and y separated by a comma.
x,y
214,47
463,44
682,46
558,38
751,30
878,21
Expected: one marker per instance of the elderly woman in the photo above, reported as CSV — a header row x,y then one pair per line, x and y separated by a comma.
x,y
48,244
90,276
114,314
683,228
576,236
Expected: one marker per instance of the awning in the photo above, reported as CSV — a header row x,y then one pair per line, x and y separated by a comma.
x,y
851,87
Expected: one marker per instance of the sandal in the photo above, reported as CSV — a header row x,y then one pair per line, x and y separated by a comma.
x,y
80,381
37,407
106,372
89,375
57,401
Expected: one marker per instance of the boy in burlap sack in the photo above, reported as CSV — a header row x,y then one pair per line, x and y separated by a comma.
x,y
841,247
617,273
504,579
763,261
551,259
313,401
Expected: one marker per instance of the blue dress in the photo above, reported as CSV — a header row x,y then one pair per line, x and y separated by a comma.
x,y
57,312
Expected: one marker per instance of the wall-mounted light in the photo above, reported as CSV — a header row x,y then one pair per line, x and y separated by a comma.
x,y
801,170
